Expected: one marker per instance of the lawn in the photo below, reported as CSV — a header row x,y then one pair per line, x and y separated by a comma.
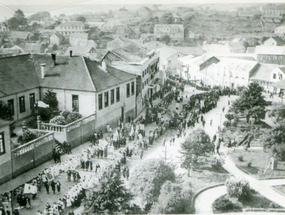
x,y
259,161
205,176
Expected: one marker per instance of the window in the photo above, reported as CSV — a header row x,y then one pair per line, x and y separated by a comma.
x,y
128,90
274,76
112,96
32,101
2,144
11,106
100,100
133,88
75,103
106,99
22,104
117,94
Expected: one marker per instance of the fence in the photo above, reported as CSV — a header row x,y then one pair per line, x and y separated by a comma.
x,y
32,154
74,133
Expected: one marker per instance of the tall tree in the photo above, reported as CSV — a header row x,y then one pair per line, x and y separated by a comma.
x,y
81,18
51,100
278,112
196,145
112,196
17,20
167,18
251,101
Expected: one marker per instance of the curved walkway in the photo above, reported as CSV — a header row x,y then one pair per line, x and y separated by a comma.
x,y
204,201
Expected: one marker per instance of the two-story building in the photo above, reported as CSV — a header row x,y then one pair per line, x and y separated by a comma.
x,y
280,31
174,31
270,54
136,60
70,27
273,13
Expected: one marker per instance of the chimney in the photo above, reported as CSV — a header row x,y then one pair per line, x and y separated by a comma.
x,y
70,53
53,56
43,70
104,65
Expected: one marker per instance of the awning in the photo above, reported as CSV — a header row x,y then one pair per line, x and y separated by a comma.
x,y
279,84
42,104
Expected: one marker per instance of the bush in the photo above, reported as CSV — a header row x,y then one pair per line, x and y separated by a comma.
x,y
227,123
59,120
240,158
279,150
238,188
32,122
5,112
249,164
73,117
223,204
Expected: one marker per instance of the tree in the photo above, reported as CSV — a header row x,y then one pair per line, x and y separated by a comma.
x,y
278,112
173,199
167,18
148,177
249,100
17,20
165,39
5,111
111,196
230,117
196,145
81,18
51,100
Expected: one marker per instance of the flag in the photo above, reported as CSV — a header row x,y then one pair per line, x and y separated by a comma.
x,y
30,189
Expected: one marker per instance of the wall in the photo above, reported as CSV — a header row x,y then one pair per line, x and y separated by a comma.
x,y
64,97
271,59
111,114
15,97
5,159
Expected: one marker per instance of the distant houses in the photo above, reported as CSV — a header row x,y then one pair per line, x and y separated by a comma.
x,y
174,31
70,27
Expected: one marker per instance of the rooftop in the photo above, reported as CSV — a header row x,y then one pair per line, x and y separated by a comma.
x,y
270,50
237,64
263,72
72,23
17,74
83,36
167,52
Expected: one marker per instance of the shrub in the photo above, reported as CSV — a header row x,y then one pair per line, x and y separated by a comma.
x,y
238,188
73,117
59,120
5,112
249,164
274,205
32,122
227,123
223,204
279,150
240,158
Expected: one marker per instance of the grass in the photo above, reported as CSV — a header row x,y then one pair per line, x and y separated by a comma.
x,y
258,165
205,176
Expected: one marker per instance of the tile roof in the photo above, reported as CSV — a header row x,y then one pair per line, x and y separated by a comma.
x,y
153,45
167,52
72,23
106,79
263,72
17,74
270,50
83,36
189,50
79,50
185,59
19,34
200,59
35,48
68,73
131,53
237,64
279,84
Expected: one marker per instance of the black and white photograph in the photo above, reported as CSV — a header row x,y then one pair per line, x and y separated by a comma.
x,y
142,107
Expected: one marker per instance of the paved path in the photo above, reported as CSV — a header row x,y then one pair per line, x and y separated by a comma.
x,y
203,203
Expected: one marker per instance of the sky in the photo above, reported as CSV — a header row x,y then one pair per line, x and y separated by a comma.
x,y
68,2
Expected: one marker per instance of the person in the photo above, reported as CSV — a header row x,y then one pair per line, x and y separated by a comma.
x,y
58,186
223,109
141,154
203,122
68,172
52,184
16,212
211,122
68,148
28,202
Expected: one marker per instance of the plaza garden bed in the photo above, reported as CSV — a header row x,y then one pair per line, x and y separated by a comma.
x,y
255,161
224,204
